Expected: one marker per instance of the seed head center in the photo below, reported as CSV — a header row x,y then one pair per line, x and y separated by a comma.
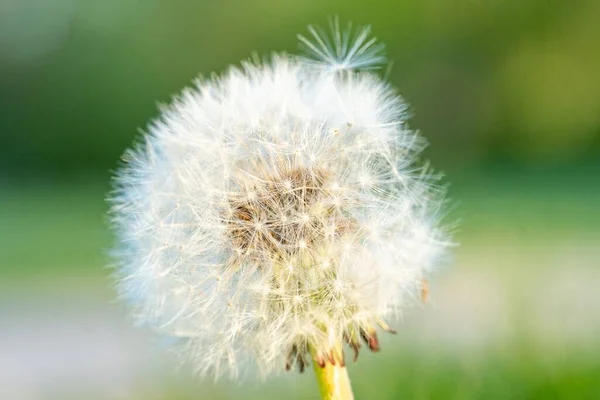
x,y
282,214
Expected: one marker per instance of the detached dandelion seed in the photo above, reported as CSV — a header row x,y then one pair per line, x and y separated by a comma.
x,y
277,213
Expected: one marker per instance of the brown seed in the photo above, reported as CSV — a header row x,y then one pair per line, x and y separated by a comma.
x,y
424,290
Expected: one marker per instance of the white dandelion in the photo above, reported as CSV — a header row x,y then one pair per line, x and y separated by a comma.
x,y
276,213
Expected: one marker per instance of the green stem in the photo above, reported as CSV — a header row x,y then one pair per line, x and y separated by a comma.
x,y
333,380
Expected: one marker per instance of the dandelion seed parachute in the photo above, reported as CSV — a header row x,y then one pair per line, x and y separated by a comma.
x,y
277,209
347,50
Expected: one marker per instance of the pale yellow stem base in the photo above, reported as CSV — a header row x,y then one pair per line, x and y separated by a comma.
x,y
333,381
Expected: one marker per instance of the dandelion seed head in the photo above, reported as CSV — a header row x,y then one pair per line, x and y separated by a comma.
x,y
277,208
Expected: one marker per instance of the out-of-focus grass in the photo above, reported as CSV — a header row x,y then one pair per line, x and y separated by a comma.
x,y
540,206
517,373
50,230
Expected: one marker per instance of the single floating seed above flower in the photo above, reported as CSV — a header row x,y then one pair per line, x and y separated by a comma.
x,y
278,210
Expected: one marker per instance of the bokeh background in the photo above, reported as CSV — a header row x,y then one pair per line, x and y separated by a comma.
x,y
507,92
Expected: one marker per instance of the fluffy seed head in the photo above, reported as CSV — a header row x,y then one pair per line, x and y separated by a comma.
x,y
277,210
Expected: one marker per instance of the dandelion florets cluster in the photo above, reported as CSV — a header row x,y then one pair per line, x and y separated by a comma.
x,y
276,211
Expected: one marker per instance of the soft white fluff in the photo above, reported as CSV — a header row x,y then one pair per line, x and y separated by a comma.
x,y
276,209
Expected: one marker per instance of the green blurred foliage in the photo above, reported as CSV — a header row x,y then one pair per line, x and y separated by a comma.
x,y
489,81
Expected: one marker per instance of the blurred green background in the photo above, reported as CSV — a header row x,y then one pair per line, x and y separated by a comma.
x,y
507,92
